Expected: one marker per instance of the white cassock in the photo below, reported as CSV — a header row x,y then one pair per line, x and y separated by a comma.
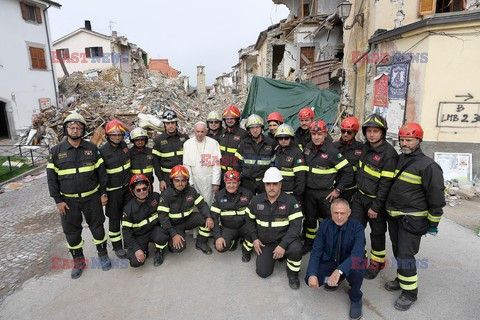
x,y
202,160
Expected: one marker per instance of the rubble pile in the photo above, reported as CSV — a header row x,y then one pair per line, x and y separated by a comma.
x,y
101,96
460,189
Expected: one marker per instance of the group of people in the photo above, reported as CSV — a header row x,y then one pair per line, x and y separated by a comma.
x,y
281,194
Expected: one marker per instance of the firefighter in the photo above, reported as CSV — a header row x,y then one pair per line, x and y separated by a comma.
x,y
414,206
254,155
168,147
274,120
116,155
374,177
328,175
177,203
302,134
290,161
77,181
351,149
229,217
275,222
214,124
142,159
231,138
140,223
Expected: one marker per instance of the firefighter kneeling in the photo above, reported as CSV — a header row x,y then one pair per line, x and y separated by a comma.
x,y
275,223
140,223
177,203
228,213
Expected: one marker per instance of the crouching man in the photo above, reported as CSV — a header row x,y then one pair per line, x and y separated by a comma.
x,y
338,253
140,223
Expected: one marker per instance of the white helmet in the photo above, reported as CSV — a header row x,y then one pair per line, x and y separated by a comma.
x,y
272,175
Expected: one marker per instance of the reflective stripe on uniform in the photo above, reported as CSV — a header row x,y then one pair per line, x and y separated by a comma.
x,y
215,209
79,246
273,224
366,194
341,164
294,265
410,178
396,213
115,236
300,168
141,223
295,215
119,169
204,232
229,150
138,171
323,171
287,173
224,168
167,170
250,215
163,208
169,154
388,174
161,246
239,156
372,172
433,218
198,200
412,280
95,241
378,256
80,195
311,233
180,215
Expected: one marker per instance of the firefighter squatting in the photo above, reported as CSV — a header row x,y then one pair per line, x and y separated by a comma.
x,y
281,195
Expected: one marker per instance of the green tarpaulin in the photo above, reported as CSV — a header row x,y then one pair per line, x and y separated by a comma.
x,y
288,98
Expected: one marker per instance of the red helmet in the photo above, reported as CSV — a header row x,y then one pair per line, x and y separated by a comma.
x,y
350,123
136,179
115,126
306,113
275,116
231,175
231,112
318,126
411,130
179,171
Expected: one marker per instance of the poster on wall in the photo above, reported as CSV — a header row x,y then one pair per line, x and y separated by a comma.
x,y
398,81
455,165
380,93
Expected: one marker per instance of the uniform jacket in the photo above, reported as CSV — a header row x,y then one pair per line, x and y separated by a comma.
x,y
291,163
144,162
117,164
253,159
169,152
229,142
352,153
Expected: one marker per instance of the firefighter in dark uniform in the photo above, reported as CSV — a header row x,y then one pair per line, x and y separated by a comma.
x,y
177,203
302,134
214,124
415,205
275,222
231,138
168,147
116,155
140,223
254,155
229,216
290,161
374,177
328,175
274,120
77,181
142,160
351,149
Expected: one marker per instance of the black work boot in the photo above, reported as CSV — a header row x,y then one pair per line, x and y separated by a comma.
x,y
393,285
373,270
103,255
158,259
293,280
246,255
78,263
403,303
202,244
117,247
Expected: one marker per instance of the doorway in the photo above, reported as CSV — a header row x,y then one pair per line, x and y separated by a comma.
x,y
4,132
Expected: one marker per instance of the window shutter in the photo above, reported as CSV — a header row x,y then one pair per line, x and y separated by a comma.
x,y
427,7
24,9
38,14
87,52
37,55
66,54
100,51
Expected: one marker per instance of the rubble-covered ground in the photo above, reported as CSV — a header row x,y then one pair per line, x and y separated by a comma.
x,y
102,97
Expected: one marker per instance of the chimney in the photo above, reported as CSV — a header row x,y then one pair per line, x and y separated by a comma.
x,y
88,26
114,33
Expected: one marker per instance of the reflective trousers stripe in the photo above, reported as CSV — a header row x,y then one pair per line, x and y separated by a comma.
x,y
294,265
81,195
79,246
95,241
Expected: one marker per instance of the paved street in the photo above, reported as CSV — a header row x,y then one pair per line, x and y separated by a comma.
x,y
192,285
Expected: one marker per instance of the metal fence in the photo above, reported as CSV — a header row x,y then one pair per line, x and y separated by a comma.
x,y
16,157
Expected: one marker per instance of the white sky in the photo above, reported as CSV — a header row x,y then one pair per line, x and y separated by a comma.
x,y
186,32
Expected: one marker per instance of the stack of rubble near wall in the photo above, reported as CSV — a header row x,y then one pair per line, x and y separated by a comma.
x,y
99,96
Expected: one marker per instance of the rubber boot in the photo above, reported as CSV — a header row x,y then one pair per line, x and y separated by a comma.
x,y
373,270
403,303
103,255
393,285
117,247
293,280
202,244
246,255
78,263
158,259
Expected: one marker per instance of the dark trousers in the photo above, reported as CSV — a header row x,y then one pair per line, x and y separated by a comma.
x,y
194,220
265,262
232,235
378,226
405,246
117,200
317,208
255,187
157,235
355,279
348,195
92,210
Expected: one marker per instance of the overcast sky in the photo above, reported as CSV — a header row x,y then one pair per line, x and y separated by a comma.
x,y
187,32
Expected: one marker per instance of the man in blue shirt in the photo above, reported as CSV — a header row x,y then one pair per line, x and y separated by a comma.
x,y
338,253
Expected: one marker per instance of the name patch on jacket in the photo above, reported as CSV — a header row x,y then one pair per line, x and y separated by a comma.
x,y
62,155
149,156
154,203
243,199
281,219
377,157
189,198
260,206
324,155
236,138
282,207
268,148
358,152
87,152
182,139
307,152
223,200
289,159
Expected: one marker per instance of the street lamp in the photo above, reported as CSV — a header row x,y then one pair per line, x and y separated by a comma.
x,y
343,11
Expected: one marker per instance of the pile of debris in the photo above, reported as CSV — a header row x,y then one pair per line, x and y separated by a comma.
x,y
101,96
458,189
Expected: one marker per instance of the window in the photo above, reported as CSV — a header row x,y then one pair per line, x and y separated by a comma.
x,y
450,6
94,52
31,13
63,53
37,58
307,56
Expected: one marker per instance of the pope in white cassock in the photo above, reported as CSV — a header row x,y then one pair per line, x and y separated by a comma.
x,y
202,159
